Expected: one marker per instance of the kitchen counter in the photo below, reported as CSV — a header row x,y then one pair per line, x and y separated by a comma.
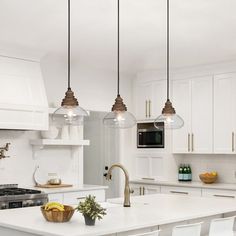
x,y
84,187
146,212
191,184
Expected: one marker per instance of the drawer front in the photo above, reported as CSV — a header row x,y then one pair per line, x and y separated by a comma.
x,y
219,193
55,197
151,189
73,198
181,191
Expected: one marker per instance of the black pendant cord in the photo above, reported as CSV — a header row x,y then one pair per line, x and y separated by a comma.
x,y
118,47
168,49
68,45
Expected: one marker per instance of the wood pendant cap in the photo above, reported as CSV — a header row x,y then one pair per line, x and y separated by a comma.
x,y
119,105
168,109
70,99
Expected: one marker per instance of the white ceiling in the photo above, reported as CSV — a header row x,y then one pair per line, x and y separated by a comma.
x,y
202,31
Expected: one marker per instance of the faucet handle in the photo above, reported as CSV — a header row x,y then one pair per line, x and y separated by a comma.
x,y
131,190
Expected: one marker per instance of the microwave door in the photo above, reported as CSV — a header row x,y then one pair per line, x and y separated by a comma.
x,y
151,139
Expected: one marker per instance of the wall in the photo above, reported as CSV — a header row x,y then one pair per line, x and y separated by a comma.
x,y
95,90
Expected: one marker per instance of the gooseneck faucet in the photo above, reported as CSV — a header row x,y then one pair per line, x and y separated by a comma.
x,y
127,188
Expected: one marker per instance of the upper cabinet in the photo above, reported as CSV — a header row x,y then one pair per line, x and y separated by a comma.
x,y
225,113
193,101
149,99
23,101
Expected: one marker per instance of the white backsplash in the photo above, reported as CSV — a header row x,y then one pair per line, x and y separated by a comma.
x,y
225,165
20,166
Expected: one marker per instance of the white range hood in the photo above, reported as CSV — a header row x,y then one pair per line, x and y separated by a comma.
x,y
23,101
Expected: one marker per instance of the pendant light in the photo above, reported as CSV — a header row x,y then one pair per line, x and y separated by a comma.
x,y
70,109
169,116
119,117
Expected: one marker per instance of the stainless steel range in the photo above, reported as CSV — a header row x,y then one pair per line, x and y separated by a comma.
x,y
13,197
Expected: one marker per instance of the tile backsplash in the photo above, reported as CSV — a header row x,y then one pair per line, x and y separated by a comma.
x,y
225,165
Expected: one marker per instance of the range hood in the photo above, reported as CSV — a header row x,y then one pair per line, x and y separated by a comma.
x,y
23,101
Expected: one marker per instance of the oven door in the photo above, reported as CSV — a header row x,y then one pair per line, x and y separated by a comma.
x,y
150,138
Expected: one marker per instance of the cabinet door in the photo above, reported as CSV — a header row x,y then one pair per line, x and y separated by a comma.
x,y
217,193
224,112
181,191
202,115
142,101
182,104
55,197
151,189
137,189
158,98
73,198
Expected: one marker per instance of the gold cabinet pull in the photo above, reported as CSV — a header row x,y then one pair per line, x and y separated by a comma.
x,y
149,108
192,142
143,190
146,108
140,191
233,142
188,142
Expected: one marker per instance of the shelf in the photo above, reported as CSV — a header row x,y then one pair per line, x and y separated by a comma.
x,y
75,145
59,142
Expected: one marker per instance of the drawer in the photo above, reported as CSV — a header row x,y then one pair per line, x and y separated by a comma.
x,y
55,197
73,198
181,191
219,193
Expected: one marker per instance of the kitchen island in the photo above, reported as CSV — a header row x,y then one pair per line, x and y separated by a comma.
x,y
147,213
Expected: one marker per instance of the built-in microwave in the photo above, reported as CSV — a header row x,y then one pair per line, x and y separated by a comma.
x,y
148,136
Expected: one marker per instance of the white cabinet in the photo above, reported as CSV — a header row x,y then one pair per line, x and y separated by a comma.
x,y
144,189
73,198
182,104
55,197
181,190
224,113
193,100
149,99
219,193
149,165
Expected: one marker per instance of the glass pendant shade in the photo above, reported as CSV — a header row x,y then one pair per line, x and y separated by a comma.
x,y
169,117
70,110
119,117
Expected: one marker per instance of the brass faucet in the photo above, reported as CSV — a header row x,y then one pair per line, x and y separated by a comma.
x,y
127,190
3,150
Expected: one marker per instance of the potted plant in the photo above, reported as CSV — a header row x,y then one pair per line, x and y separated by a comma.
x,y
91,210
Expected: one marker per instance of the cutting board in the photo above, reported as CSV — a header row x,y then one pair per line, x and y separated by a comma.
x,y
53,186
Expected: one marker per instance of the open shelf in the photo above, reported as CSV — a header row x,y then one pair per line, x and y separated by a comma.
x,y
75,145
58,142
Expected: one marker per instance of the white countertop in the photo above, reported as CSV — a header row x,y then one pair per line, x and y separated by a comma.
x,y
84,187
146,211
191,184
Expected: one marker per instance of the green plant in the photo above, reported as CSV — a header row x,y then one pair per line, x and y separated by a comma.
x,y
91,208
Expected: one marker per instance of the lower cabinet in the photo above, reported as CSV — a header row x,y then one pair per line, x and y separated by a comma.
x,y
139,189
181,191
219,193
72,198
